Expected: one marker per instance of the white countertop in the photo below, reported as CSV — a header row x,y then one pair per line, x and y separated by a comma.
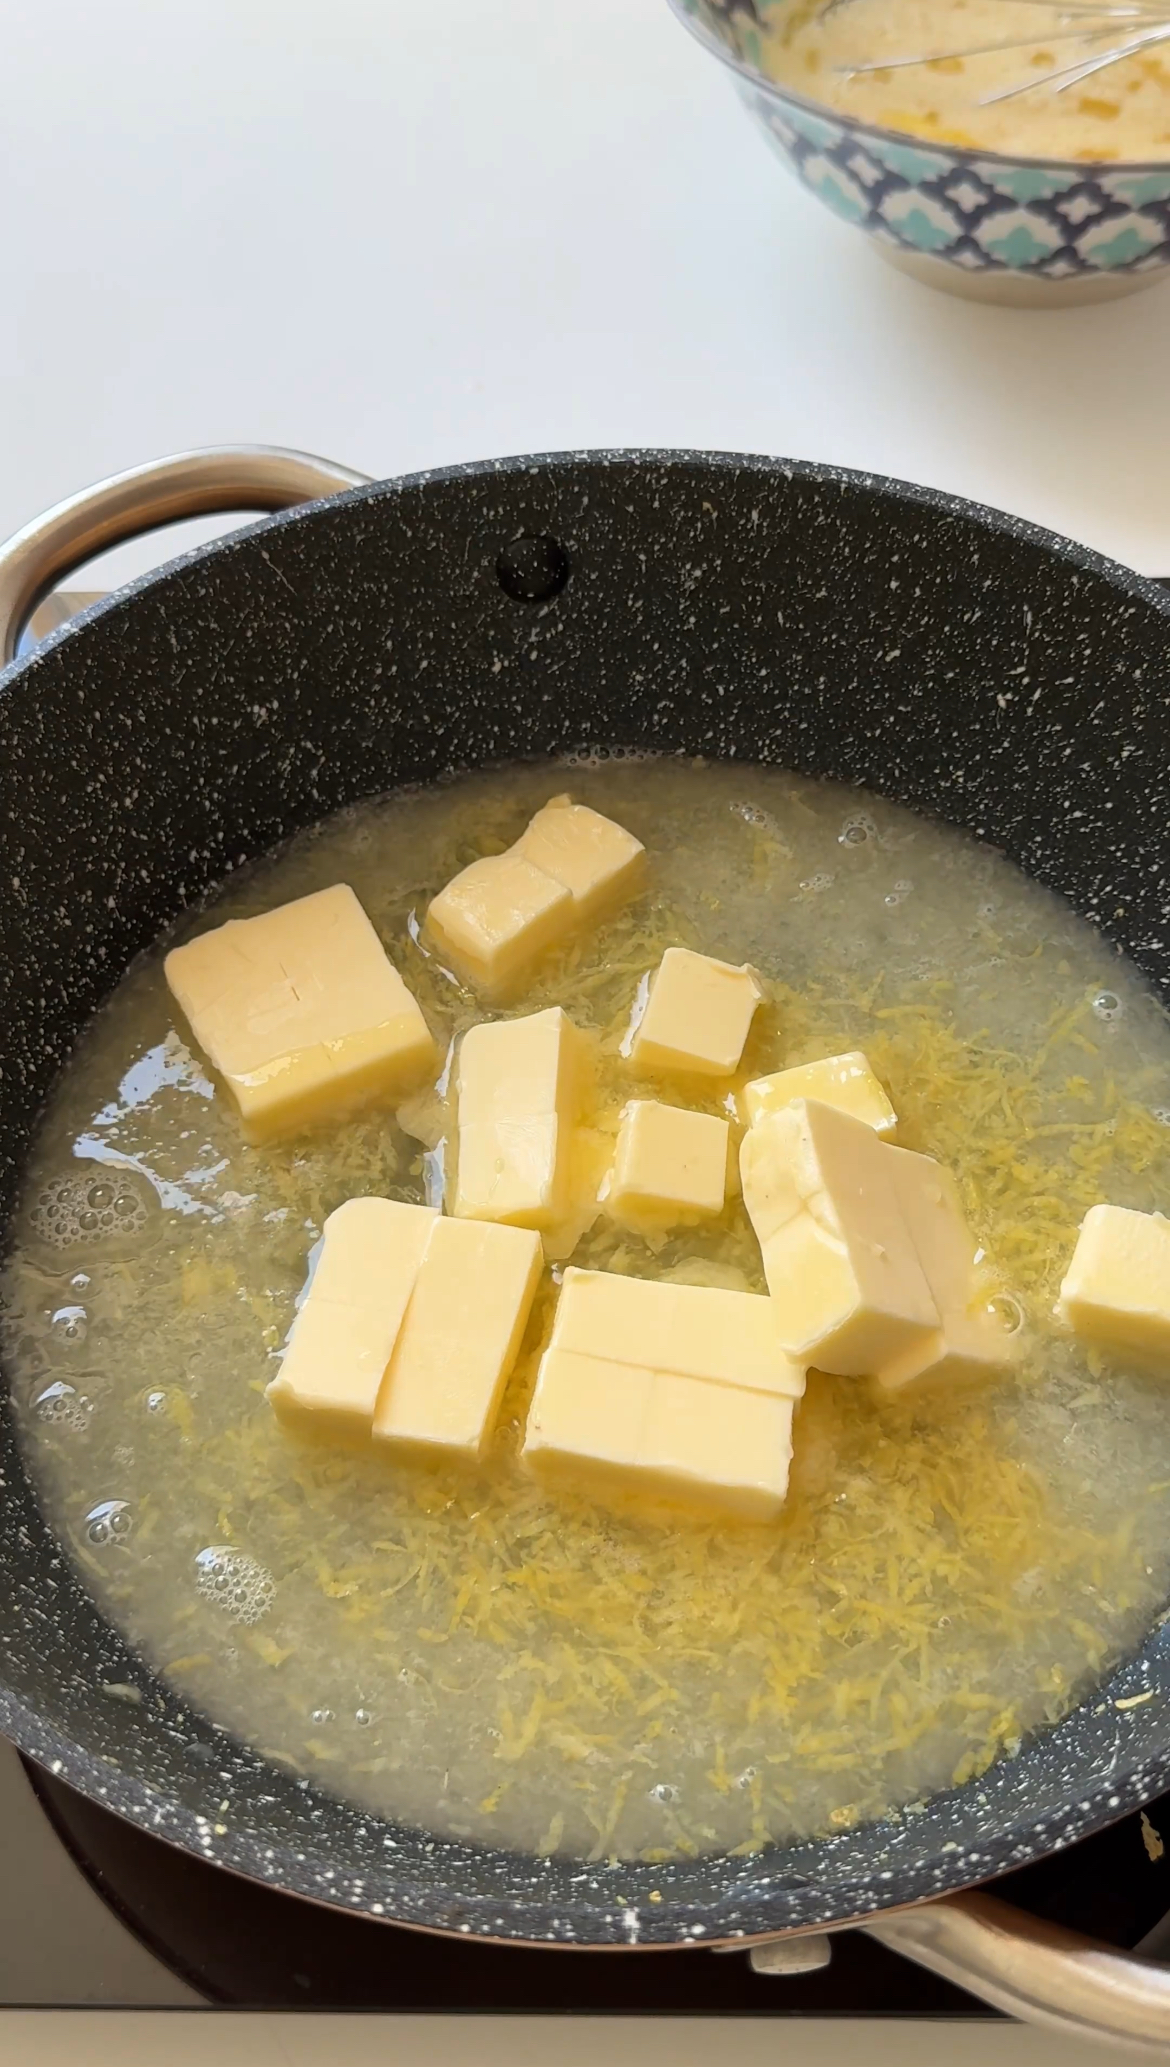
x,y
140,2038
401,233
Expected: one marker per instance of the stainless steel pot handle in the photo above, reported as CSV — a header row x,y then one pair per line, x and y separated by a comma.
x,y
1035,1970
188,484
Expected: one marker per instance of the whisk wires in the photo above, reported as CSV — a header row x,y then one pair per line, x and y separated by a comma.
x,y
1080,22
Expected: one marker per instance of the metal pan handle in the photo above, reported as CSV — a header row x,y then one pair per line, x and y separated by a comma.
x,y
1035,1970
188,484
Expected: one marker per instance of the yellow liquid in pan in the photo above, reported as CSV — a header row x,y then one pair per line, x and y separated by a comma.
x,y
477,1656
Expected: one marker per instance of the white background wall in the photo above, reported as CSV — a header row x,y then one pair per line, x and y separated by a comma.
x,y
402,232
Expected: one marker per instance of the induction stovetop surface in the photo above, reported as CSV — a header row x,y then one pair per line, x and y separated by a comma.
x,y
243,1944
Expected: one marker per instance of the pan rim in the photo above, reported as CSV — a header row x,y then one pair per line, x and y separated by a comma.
x,y
939,501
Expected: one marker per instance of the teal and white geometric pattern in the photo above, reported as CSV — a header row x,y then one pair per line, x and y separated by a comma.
x,y
980,213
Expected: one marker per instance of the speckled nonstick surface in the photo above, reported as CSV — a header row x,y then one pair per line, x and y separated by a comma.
x,y
952,659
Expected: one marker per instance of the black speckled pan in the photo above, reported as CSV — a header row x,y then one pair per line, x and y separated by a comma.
x,y
949,658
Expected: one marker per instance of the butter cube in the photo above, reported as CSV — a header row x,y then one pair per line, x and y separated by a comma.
x,y
459,1339
717,1447
597,861
350,1316
586,1411
846,1081
408,1329
679,1392
670,1164
517,1100
619,1428
301,1012
1117,1287
693,1331
970,1343
848,1290
517,1069
697,1016
498,916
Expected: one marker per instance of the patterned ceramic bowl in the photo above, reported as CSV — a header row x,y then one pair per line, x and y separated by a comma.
x,y
1035,231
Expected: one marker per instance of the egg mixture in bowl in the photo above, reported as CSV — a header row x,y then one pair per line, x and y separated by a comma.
x,y
575,1667
851,58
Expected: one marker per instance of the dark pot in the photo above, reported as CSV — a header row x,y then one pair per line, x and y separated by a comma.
x,y
949,658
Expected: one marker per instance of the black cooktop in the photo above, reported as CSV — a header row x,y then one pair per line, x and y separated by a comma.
x,y
244,1945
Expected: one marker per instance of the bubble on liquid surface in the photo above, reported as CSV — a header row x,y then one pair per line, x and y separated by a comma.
x,y
110,1522
859,830
1008,1311
899,893
599,756
821,881
1161,1113
235,1582
662,1791
753,814
70,1323
1107,1005
62,1406
78,1210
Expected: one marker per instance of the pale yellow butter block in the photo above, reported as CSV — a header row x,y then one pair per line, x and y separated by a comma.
x,y
459,1339
719,1447
847,1288
511,1171
586,1419
697,1016
301,1012
846,1081
655,1435
517,1097
693,1331
596,860
971,1341
350,1317
670,1164
513,1069
1117,1287
973,1346
497,917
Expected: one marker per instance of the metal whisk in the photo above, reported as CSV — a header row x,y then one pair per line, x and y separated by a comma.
x,y
1132,26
